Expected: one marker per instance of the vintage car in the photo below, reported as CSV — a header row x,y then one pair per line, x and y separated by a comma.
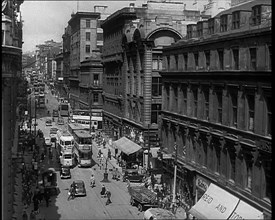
x,y
80,188
132,175
65,173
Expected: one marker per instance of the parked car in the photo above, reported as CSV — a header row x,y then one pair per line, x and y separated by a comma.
x,y
133,176
55,113
65,172
60,121
80,188
53,134
48,122
48,141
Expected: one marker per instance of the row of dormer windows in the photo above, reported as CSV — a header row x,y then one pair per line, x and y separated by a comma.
x,y
208,27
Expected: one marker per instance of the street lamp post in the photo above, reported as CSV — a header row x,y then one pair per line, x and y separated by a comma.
x,y
149,148
175,176
105,174
90,110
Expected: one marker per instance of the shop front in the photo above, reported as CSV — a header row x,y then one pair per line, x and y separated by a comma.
x,y
217,203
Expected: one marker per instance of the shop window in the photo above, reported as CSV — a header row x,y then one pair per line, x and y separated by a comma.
x,y
185,57
256,15
218,160
253,58
207,59
223,24
232,167
236,20
236,58
88,23
221,59
88,36
196,57
251,109
156,108
156,86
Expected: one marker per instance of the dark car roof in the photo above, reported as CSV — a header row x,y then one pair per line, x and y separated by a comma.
x,y
79,182
65,169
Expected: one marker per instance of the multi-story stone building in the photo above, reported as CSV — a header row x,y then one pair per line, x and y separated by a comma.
x,y
132,59
11,76
66,57
83,41
59,82
216,112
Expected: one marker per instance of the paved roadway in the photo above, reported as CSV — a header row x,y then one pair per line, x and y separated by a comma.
x,y
92,206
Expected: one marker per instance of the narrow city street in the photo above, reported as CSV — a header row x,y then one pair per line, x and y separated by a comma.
x,y
93,205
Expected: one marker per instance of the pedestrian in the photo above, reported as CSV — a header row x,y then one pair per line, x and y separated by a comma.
x,y
103,190
36,204
47,197
25,215
114,174
92,179
109,154
108,194
117,174
116,152
70,193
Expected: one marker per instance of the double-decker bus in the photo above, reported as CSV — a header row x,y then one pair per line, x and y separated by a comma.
x,y
83,117
65,148
64,109
41,100
82,145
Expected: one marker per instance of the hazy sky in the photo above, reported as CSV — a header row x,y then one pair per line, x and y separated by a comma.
x,y
46,20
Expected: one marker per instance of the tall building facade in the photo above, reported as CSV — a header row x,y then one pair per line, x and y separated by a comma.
x,y
83,40
216,110
11,75
66,38
132,58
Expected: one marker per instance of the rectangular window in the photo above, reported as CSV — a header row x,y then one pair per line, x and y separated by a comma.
x,y
268,180
211,26
248,174
236,58
221,58
184,95
256,15
199,29
251,109
176,99
96,79
168,62
88,36
253,58
232,169
195,102
168,97
270,57
236,20
234,101
88,48
88,23
99,36
223,24
219,100
206,104
207,59
156,108
196,57
185,57
269,115
218,160
176,62
155,64
156,86
95,97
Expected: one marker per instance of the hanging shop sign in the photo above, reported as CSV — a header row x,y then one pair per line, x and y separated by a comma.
x,y
202,183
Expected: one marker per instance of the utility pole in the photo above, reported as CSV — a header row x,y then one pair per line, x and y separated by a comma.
x,y
175,176
148,134
90,110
